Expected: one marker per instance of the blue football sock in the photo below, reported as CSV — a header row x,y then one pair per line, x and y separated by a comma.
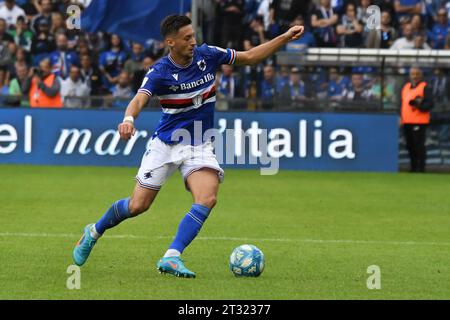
x,y
118,212
190,226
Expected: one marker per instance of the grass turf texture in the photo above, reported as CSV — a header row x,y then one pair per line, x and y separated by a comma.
x,y
399,222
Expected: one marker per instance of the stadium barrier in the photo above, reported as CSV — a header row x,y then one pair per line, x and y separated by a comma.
x,y
299,141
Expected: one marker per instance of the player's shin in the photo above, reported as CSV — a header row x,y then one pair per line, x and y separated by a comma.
x,y
188,229
117,213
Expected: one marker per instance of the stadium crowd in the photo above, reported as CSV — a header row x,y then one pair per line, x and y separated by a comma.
x,y
42,63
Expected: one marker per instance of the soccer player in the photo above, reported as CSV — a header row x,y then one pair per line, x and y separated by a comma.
x,y
184,82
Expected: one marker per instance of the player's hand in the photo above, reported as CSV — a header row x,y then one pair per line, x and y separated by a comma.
x,y
295,33
126,130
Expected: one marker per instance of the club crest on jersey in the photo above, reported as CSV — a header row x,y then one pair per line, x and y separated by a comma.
x,y
202,64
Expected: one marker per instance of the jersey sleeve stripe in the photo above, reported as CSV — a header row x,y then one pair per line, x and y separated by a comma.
x,y
234,56
147,92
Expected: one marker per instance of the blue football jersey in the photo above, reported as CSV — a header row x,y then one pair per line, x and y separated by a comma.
x,y
187,94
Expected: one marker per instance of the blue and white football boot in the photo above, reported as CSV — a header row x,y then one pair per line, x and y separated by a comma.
x,y
174,266
84,247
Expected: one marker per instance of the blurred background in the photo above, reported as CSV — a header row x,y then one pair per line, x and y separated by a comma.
x,y
342,65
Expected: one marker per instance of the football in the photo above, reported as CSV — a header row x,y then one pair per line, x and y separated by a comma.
x,y
247,261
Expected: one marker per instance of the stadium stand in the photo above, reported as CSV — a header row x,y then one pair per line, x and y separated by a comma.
x,y
112,68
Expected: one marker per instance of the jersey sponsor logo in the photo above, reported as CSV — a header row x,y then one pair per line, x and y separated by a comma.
x,y
194,84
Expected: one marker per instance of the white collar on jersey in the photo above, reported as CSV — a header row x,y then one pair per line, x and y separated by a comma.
x,y
177,65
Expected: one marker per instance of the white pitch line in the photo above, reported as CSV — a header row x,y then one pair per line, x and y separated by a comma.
x,y
249,240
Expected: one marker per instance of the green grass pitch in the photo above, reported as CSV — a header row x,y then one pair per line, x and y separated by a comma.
x,y
319,232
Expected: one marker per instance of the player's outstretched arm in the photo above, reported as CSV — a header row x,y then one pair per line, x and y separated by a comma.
x,y
126,128
265,50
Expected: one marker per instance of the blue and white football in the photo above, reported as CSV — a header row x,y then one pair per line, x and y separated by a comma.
x,y
247,261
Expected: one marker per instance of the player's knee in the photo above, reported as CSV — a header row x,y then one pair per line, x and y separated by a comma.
x,y
138,207
209,201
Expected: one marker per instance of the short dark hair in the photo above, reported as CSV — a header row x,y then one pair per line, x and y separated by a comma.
x,y
172,24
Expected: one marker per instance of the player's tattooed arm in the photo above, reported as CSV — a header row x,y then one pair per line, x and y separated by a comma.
x,y
265,50
126,128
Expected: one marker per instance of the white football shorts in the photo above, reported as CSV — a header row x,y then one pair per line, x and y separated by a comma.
x,y
161,160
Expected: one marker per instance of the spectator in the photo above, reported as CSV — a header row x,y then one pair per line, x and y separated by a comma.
x,y
16,86
254,34
44,87
388,92
83,48
10,12
431,10
4,88
357,91
295,88
21,35
62,59
112,61
385,36
350,30
228,83
361,12
338,6
122,92
58,23
232,14
46,8
250,9
73,89
337,85
264,12
31,8
135,62
440,85
283,78
447,7
91,75
268,87
405,42
252,97
406,8
5,37
306,41
440,30
5,53
21,57
416,104
316,83
43,43
420,42
139,75
388,6
324,21
416,24
283,12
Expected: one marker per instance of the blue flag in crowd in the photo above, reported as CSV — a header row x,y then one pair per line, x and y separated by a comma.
x,y
136,20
